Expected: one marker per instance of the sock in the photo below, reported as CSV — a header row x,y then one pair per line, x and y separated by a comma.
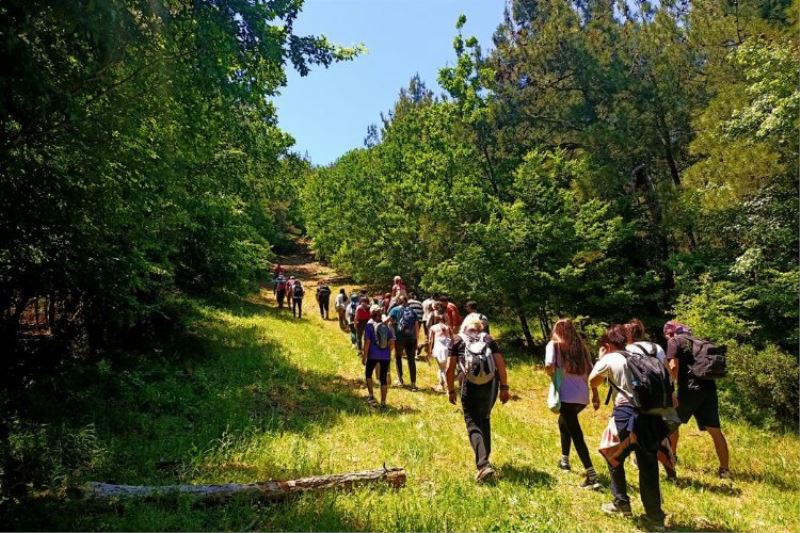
x,y
590,473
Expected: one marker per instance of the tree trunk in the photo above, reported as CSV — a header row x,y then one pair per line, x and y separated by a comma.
x,y
544,322
267,490
523,321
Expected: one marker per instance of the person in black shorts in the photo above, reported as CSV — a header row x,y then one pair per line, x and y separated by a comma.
x,y
695,397
373,355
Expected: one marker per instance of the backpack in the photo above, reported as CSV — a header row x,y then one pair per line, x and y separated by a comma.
x,y
407,322
710,361
652,388
281,285
381,332
479,366
324,292
297,290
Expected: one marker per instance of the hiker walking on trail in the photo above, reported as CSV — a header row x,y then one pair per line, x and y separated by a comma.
x,y
567,358
472,313
297,292
479,357
398,288
638,343
694,364
631,429
280,290
378,345
416,306
340,304
350,314
453,314
406,332
324,300
362,317
440,339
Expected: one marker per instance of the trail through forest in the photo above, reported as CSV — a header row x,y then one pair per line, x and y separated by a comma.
x,y
252,394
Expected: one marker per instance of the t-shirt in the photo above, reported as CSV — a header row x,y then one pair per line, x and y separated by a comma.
x,y
574,387
362,313
646,348
459,347
375,351
341,301
351,312
680,347
396,314
476,316
427,309
614,366
416,306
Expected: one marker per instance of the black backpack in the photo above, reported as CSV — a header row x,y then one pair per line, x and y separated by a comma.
x,y
652,387
710,360
324,292
297,290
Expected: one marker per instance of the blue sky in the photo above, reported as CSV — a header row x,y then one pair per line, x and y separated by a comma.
x,y
328,111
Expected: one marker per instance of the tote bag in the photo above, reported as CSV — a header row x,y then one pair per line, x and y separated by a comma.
x,y
554,395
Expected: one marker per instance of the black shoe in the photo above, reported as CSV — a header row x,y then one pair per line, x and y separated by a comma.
x,y
564,465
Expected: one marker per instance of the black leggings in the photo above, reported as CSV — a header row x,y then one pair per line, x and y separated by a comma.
x,y
324,304
383,370
571,432
297,307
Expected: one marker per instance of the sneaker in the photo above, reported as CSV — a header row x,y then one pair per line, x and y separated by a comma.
x,y
371,400
672,475
414,387
612,509
485,475
399,383
564,465
591,483
725,473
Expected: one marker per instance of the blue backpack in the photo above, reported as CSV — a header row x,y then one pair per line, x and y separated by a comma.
x,y
407,322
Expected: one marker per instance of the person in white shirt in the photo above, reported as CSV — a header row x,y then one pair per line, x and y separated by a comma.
x,y
638,344
340,304
473,314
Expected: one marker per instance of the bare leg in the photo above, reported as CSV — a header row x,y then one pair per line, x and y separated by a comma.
x,y
673,441
721,446
384,389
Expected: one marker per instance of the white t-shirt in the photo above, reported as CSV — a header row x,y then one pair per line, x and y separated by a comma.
x,y
427,309
645,348
614,367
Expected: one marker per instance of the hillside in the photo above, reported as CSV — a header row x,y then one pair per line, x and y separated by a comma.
x,y
252,394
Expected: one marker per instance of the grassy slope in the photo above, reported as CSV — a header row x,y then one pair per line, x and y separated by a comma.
x,y
254,394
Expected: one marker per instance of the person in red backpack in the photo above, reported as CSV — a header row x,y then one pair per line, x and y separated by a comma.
x,y
696,396
361,318
280,290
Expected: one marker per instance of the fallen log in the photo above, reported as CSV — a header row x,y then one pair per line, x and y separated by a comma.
x,y
266,490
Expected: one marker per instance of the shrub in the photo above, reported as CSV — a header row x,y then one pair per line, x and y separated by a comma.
x,y
762,386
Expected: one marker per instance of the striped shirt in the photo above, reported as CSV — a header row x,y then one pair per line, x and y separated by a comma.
x,y
415,306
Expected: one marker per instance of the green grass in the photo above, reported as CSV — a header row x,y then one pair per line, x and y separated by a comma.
x,y
251,394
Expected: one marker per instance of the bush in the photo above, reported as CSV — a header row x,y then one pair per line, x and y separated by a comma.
x,y
762,386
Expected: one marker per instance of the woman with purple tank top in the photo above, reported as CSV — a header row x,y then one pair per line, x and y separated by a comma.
x,y
567,351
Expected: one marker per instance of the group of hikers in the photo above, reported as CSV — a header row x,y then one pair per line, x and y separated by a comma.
x,y
653,391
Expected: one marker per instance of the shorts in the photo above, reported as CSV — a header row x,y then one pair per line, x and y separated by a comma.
x,y
702,404
383,369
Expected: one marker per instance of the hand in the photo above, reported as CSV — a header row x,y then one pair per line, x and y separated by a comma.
x,y
596,402
675,401
451,397
504,396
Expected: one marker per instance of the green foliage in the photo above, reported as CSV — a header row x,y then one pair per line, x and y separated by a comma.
x,y
762,386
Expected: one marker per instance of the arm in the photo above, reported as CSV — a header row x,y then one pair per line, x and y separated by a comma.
x,y
501,371
365,350
550,359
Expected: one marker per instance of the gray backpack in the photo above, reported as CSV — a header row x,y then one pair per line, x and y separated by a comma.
x,y
478,366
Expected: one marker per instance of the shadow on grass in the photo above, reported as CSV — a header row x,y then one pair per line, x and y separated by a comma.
x,y
525,476
680,526
689,483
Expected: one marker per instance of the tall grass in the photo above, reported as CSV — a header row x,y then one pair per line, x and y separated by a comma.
x,y
253,394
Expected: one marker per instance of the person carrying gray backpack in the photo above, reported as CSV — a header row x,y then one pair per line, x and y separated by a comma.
x,y
478,356
377,352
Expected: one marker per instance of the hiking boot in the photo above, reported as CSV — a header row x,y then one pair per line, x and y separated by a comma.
x,y
653,524
614,509
485,475
725,473
564,465
591,482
